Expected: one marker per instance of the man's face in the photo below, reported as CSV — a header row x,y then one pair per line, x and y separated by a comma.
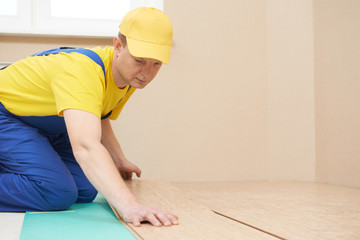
x,y
130,70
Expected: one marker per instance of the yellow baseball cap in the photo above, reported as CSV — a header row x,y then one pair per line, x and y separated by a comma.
x,y
148,33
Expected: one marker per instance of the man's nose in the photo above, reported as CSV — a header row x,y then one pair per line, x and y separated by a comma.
x,y
148,69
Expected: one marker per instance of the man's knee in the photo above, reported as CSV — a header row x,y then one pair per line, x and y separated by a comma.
x,y
87,195
58,196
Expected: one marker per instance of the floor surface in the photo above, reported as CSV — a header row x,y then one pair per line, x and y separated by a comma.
x,y
289,210
10,225
240,210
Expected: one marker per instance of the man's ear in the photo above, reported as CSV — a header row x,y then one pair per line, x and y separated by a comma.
x,y
117,44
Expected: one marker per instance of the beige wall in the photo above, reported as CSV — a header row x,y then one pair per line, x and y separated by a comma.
x,y
291,115
237,101
337,75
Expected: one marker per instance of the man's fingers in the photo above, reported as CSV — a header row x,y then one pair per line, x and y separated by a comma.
x,y
138,172
129,176
163,219
127,173
136,222
156,217
173,219
166,218
124,175
153,220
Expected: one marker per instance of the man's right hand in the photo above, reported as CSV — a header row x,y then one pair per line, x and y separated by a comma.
x,y
138,213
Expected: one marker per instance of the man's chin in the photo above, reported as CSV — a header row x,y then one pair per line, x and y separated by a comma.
x,y
138,86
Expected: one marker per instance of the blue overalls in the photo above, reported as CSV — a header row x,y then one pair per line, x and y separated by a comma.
x,y
38,170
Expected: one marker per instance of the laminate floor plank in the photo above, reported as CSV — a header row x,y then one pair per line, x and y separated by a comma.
x,y
196,221
291,210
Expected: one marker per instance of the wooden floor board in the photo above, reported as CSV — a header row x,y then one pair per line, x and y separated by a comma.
x,y
196,221
291,210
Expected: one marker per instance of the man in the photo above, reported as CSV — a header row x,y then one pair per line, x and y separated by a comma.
x,y
57,146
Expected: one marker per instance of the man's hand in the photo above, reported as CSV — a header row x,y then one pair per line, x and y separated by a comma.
x,y
138,213
127,169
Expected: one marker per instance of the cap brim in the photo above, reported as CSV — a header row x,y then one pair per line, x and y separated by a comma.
x,y
149,50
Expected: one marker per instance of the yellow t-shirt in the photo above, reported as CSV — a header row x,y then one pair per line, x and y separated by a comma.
x,y
47,85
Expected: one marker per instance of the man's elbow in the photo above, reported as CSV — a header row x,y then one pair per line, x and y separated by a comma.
x,y
83,150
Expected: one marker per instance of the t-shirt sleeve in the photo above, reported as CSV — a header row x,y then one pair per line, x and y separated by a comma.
x,y
116,111
79,86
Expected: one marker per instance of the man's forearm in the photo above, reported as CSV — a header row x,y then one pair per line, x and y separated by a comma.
x,y
85,133
102,173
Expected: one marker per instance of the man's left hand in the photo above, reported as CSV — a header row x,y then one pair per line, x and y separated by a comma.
x,y
127,169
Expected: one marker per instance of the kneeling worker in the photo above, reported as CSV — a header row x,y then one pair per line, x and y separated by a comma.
x,y
57,146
